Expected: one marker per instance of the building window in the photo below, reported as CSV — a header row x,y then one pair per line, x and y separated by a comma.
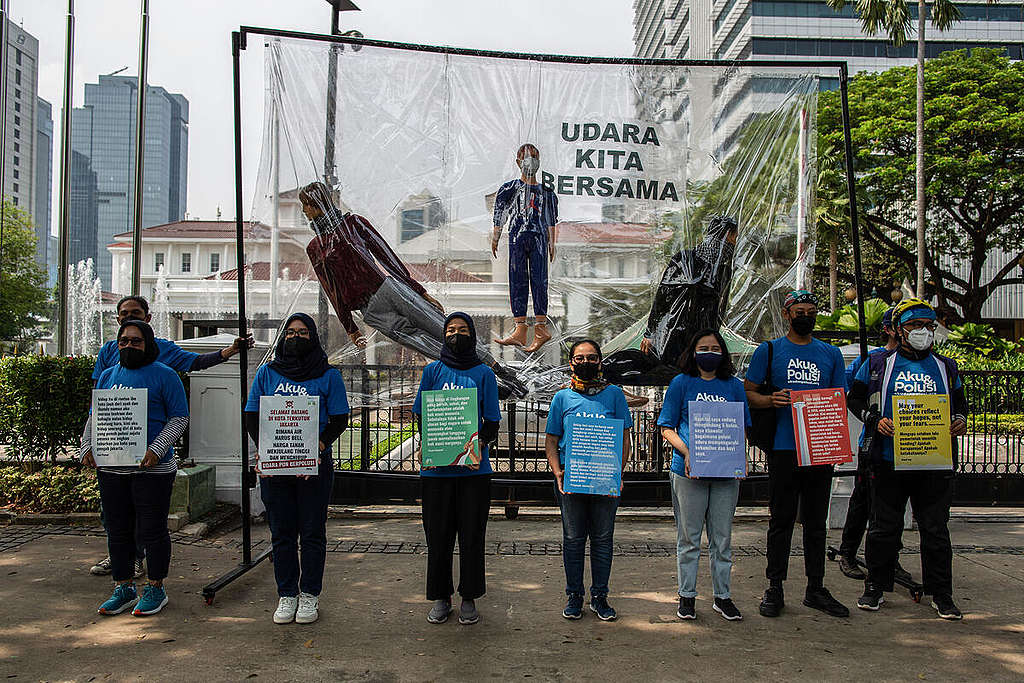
x,y
15,200
17,106
214,262
17,120
17,133
16,174
15,185
17,94
17,77
17,160
622,267
17,57
412,224
158,261
17,147
186,262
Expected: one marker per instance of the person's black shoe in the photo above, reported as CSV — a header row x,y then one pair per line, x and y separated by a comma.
x,y
772,602
872,598
946,608
687,608
821,600
902,575
728,610
849,567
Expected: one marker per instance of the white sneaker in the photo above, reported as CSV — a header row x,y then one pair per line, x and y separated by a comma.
x,y
285,613
309,609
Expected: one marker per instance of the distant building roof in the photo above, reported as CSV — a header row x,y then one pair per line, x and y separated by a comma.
x,y
610,233
218,230
424,272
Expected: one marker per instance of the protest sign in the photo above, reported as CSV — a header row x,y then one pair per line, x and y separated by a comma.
x,y
821,427
593,456
289,434
119,429
922,440
717,444
450,428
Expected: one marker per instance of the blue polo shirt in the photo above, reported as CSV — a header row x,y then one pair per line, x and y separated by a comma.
x,y
610,403
171,355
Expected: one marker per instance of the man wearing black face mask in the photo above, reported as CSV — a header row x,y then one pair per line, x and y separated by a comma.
x,y
800,362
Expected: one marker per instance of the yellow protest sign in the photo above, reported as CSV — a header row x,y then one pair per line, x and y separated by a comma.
x,y
922,440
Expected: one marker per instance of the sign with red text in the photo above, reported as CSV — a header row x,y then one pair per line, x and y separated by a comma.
x,y
289,434
821,427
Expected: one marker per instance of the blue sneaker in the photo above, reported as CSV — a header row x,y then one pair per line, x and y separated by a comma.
x,y
599,606
574,607
152,601
123,597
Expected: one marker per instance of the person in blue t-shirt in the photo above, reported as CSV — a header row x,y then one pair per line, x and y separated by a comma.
x,y
297,504
532,213
799,362
914,368
586,515
707,375
137,499
171,355
457,498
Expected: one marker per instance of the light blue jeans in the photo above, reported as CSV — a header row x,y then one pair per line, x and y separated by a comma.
x,y
696,502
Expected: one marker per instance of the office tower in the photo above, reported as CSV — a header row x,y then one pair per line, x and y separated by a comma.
x,y
20,144
103,132
41,214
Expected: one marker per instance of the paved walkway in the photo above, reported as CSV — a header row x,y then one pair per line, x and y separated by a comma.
x,y
373,628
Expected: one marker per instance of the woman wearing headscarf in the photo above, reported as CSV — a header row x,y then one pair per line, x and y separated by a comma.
x,y
457,498
140,495
586,515
297,504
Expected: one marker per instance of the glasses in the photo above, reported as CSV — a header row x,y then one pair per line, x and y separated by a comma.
x,y
288,334
592,358
130,341
921,325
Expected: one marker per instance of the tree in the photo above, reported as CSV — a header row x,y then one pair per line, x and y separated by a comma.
x,y
893,16
974,169
23,293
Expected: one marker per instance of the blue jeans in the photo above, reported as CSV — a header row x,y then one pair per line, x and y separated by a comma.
x,y
528,271
297,513
585,515
696,502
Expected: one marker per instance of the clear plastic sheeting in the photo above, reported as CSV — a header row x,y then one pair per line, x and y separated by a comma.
x,y
551,200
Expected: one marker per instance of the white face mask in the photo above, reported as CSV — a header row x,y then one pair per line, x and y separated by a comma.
x,y
529,165
921,340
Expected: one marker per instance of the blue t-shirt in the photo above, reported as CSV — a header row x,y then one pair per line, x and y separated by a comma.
x,y
438,376
798,367
907,377
528,208
328,386
165,395
676,407
609,403
171,355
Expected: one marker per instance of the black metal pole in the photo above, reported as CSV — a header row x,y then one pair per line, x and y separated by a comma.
x,y
64,232
3,131
140,147
323,317
851,189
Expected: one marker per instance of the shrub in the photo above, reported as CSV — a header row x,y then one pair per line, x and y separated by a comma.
x,y
54,489
44,402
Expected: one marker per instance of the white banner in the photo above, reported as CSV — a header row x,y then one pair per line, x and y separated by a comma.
x,y
119,431
289,434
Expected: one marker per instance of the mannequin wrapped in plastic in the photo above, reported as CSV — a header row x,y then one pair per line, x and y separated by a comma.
x,y
359,271
691,296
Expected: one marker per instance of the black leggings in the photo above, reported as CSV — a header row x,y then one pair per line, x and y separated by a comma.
x,y
143,499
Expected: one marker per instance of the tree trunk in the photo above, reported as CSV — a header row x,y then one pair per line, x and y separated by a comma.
x,y
833,268
919,163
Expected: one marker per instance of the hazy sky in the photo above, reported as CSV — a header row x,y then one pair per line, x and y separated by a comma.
x,y
190,54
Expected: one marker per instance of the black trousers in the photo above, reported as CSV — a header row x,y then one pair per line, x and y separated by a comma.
x,y
791,487
456,507
858,513
930,494
138,499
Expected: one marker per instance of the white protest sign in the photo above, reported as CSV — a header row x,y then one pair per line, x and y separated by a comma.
x,y
289,434
119,433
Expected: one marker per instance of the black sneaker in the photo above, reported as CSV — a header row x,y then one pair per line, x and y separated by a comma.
x,y
872,598
849,567
946,608
573,606
902,575
687,608
772,602
821,600
728,610
600,607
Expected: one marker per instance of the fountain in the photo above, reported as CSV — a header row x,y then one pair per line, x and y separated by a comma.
x,y
160,306
84,292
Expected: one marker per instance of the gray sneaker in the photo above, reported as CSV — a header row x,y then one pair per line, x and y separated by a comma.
x,y
468,613
439,612
101,568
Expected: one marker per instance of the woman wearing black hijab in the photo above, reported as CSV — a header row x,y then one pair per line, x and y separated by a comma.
x,y
297,504
141,495
457,498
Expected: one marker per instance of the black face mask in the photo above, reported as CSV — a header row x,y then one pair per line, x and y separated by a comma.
x,y
804,324
586,371
297,346
708,361
458,343
132,358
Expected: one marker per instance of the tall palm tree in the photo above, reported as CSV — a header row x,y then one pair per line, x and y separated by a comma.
x,y
893,17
